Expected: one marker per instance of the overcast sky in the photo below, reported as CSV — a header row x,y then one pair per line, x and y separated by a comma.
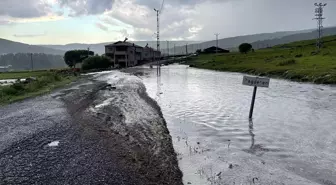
x,y
94,21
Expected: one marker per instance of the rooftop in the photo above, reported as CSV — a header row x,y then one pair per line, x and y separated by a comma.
x,y
121,43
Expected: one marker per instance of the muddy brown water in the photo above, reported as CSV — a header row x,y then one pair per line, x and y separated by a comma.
x,y
291,139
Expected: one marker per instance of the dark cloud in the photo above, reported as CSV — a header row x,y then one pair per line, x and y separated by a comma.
x,y
158,3
24,9
86,7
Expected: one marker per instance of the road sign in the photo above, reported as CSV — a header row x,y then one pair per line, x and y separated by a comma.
x,y
256,81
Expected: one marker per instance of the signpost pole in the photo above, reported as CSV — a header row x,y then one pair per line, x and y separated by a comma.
x,y
252,102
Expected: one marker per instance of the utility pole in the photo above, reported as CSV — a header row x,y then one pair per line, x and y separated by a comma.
x,y
187,49
319,17
157,37
31,61
217,42
174,52
168,48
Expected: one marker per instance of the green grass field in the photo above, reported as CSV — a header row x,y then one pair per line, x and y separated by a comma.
x,y
44,83
297,61
22,74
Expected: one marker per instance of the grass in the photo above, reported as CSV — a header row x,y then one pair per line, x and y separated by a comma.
x,y
45,82
22,74
298,61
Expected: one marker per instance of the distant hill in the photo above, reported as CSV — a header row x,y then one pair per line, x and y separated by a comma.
x,y
292,38
258,41
26,61
7,46
99,48
180,45
262,40
232,42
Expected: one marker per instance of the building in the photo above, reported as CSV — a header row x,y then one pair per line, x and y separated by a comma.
x,y
150,54
213,49
126,54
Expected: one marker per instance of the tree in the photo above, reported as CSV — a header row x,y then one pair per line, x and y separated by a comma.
x,y
199,51
245,47
96,62
76,56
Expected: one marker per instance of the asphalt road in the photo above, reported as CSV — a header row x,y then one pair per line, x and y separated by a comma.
x,y
56,139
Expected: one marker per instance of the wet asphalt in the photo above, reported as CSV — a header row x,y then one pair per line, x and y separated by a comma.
x,y
88,150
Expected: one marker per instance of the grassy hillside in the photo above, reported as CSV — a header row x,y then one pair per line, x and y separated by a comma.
x,y
297,61
7,46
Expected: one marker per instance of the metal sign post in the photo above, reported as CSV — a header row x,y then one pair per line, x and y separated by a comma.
x,y
255,82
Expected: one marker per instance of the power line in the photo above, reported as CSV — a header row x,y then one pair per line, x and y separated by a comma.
x,y
319,17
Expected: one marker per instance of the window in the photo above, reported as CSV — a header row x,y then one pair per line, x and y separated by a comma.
x,y
120,56
121,48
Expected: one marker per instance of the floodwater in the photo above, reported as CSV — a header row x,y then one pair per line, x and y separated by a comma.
x,y
291,139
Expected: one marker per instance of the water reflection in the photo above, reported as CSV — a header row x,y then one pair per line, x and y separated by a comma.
x,y
292,122
251,134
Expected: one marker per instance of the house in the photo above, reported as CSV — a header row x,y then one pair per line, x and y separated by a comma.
x,y
150,54
213,49
124,54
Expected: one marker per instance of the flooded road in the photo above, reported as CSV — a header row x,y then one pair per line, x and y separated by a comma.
x,y
291,139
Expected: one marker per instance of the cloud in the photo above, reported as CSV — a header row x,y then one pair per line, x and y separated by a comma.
x,y
86,7
10,20
5,22
110,21
124,33
26,9
101,26
139,15
30,35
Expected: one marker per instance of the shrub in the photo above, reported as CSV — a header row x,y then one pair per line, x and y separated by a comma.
x,y
14,89
18,86
245,47
298,56
96,62
287,62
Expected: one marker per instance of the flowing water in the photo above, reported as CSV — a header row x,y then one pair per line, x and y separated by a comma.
x,y
291,139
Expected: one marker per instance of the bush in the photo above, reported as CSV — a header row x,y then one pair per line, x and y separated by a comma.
x,y
18,86
298,56
287,62
14,89
96,62
245,47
